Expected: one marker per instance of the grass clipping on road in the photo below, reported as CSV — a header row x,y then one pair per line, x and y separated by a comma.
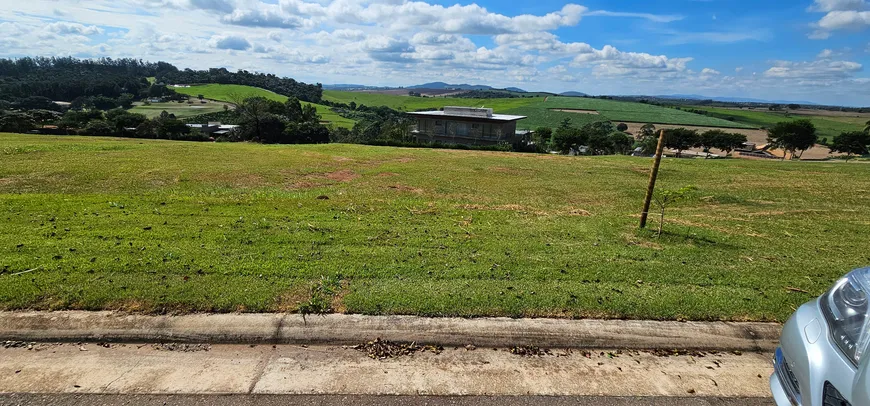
x,y
165,226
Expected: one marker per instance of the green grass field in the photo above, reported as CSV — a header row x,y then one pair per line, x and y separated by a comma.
x,y
180,110
540,112
228,92
408,103
105,223
613,110
828,127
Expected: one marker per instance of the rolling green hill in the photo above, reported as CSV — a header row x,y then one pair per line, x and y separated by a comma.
x,y
228,92
547,113
408,103
543,111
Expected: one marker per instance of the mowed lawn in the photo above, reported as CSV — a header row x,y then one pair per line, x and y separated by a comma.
x,y
181,110
228,93
168,226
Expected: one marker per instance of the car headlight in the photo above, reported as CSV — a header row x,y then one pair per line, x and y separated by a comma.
x,y
846,310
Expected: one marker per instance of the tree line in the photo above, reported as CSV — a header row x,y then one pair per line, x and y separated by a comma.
x,y
283,86
603,138
66,79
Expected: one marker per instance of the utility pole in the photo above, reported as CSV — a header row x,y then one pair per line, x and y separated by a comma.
x,y
652,179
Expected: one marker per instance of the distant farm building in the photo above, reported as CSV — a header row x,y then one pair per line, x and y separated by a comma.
x,y
466,125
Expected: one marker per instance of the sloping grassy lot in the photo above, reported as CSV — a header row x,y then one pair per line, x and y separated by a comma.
x,y
166,226
227,93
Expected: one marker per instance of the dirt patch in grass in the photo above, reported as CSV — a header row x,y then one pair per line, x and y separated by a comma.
x,y
341,159
344,175
289,300
405,188
578,111
405,160
387,174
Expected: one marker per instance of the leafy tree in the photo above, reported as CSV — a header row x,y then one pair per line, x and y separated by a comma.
x,y
648,130
681,139
120,119
867,127
720,140
665,197
851,143
647,145
309,114
622,127
710,139
566,137
200,97
774,107
792,136
307,132
166,126
352,105
251,111
36,102
99,128
729,142
293,110
620,142
541,137
16,122
794,106
272,129
44,116
125,100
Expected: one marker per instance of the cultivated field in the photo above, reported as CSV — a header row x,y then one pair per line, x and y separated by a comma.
x,y
555,109
104,223
828,125
228,92
543,111
408,103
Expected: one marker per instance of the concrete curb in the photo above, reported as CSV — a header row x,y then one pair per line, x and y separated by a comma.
x,y
341,329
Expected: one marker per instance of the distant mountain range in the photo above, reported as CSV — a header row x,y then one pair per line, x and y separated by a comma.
x,y
573,94
464,86
729,99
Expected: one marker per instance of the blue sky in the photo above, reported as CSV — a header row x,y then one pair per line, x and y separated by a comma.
x,y
815,50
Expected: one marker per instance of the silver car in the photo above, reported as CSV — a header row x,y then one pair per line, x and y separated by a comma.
x,y
823,356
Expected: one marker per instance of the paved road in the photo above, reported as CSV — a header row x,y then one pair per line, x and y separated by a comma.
x,y
336,400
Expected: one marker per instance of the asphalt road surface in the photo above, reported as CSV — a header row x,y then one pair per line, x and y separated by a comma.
x,y
336,400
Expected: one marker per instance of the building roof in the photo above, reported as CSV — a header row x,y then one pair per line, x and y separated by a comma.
x,y
468,113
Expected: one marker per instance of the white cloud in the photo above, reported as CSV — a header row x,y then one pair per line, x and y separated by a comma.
x,y
738,69
657,18
708,71
609,61
852,15
230,42
67,28
825,54
820,70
